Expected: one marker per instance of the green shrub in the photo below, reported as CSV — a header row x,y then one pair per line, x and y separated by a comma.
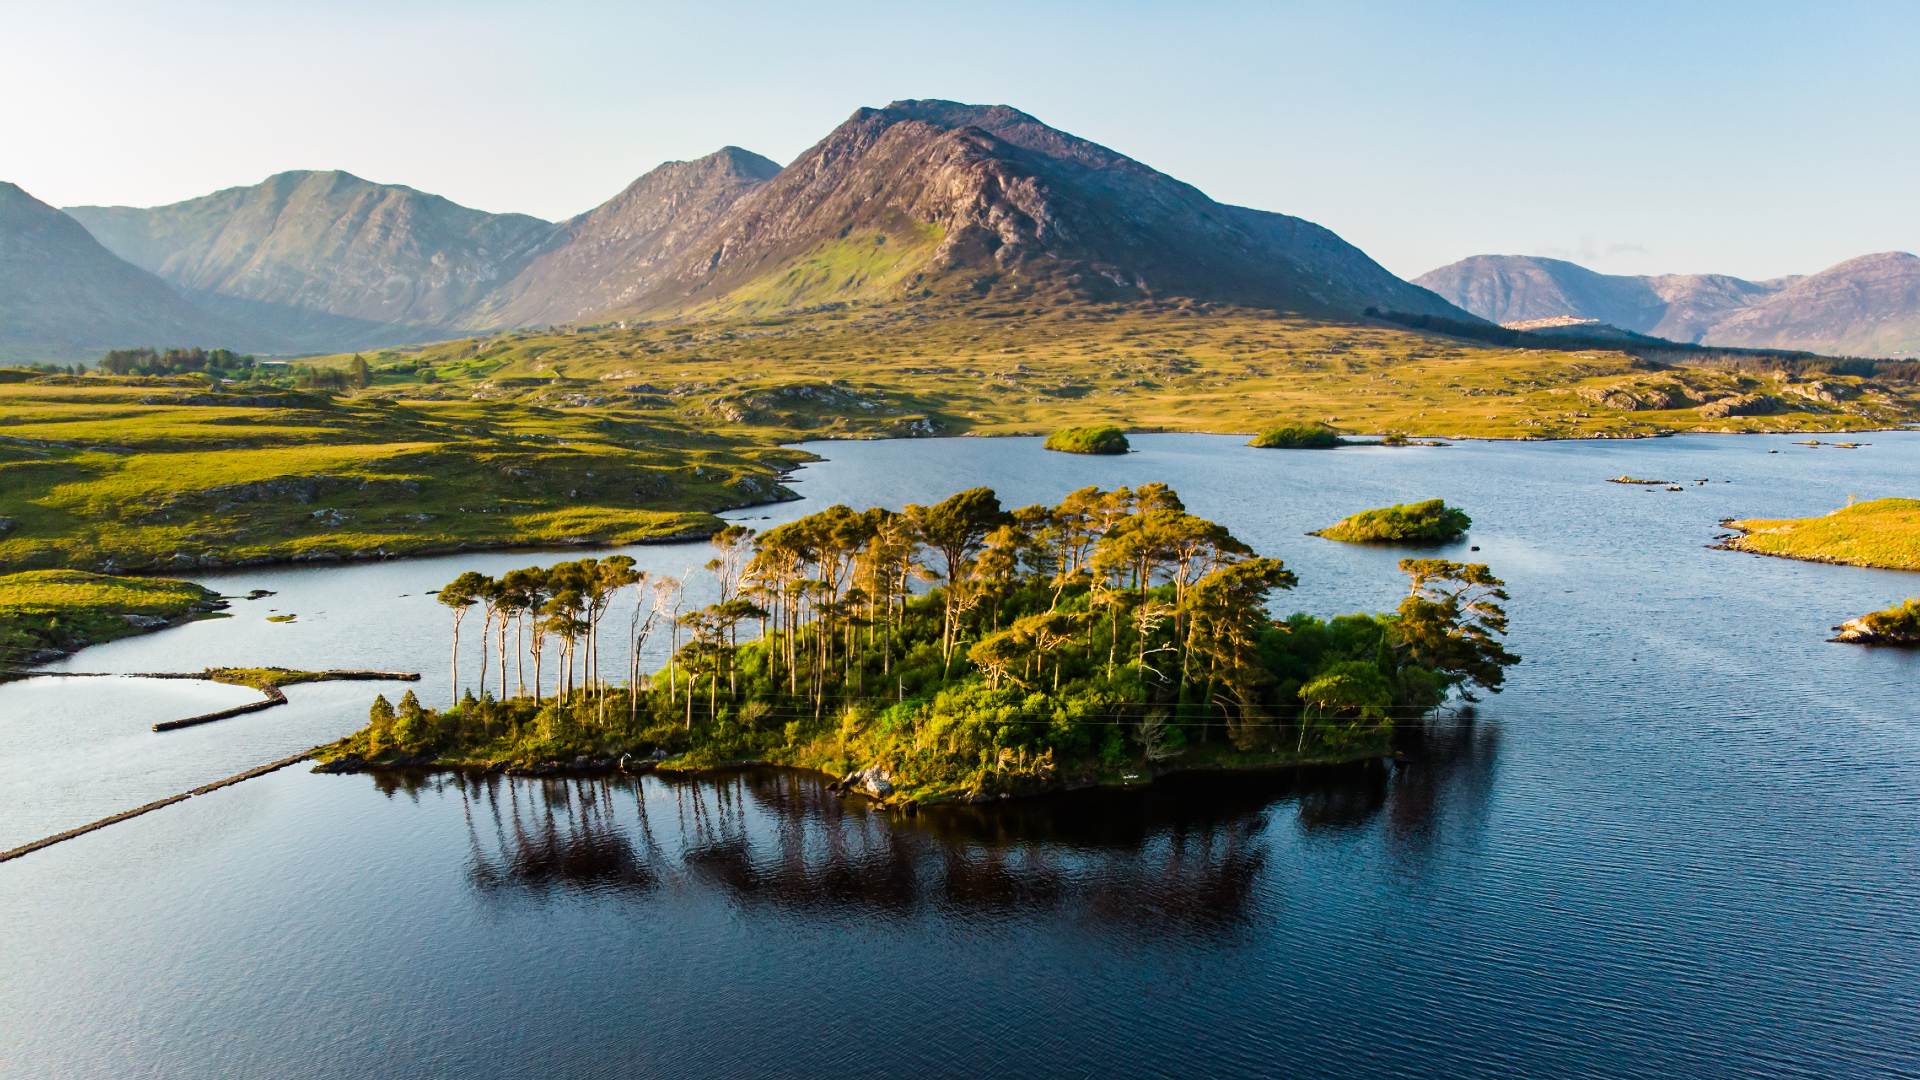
x,y
1094,439
1429,522
1298,436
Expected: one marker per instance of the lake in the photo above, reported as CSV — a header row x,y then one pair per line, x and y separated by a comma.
x,y
1685,841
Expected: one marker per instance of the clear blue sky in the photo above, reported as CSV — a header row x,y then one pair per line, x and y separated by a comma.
x,y
1755,139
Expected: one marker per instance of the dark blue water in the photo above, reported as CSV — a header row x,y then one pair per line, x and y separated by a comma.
x,y
1685,842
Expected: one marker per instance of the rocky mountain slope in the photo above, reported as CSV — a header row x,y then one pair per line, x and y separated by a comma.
x,y
917,199
1868,306
315,257
611,256
930,196
64,297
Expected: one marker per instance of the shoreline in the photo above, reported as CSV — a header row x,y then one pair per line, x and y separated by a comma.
x,y
1737,543
627,766
157,568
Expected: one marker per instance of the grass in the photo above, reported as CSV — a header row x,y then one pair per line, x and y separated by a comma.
x,y
44,613
1298,436
1429,522
1092,439
1883,533
950,367
164,480
618,434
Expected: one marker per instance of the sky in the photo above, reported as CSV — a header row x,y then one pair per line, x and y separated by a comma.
x,y
1747,138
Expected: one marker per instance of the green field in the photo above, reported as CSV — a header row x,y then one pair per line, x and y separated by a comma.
x,y
167,475
47,612
626,433
1884,533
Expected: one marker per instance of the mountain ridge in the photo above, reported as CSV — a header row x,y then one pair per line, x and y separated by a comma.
x,y
64,296
309,248
1868,305
909,199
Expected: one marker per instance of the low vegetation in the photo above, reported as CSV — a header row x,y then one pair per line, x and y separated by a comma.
x,y
1095,439
1429,522
1102,638
621,433
1897,625
1298,436
1883,533
48,613
159,474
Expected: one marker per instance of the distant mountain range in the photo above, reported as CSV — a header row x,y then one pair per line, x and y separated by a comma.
x,y
920,198
1869,306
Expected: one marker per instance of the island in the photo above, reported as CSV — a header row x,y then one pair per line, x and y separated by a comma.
x,y
1429,522
47,614
1898,625
1104,640
1298,436
1882,533
1093,439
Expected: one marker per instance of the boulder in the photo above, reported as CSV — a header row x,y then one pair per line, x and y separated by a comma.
x,y
873,780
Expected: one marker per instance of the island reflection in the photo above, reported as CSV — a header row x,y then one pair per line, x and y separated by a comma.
x,y
1186,856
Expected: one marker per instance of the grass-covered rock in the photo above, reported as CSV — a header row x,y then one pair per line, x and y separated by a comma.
x,y
1429,522
1298,436
1884,533
47,613
1897,625
1092,439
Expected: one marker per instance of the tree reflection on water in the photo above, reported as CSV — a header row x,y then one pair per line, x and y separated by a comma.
x,y
1186,855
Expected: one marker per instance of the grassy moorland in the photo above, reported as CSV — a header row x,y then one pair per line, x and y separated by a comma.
x,y
1099,640
1884,533
1429,522
158,474
620,434
46,613
993,368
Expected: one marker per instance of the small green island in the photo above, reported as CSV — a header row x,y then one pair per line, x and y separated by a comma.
x,y
1429,522
1882,533
46,614
1103,640
1298,436
1092,439
1898,625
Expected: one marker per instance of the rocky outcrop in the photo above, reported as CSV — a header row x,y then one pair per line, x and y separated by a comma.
x,y
1740,405
612,256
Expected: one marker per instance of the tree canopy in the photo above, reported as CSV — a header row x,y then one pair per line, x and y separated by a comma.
x,y
964,647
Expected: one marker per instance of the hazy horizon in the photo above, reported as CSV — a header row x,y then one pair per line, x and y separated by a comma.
x,y
1641,142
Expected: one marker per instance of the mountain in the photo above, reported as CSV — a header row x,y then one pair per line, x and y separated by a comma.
x,y
64,297
917,199
326,259
1868,306
937,196
609,257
